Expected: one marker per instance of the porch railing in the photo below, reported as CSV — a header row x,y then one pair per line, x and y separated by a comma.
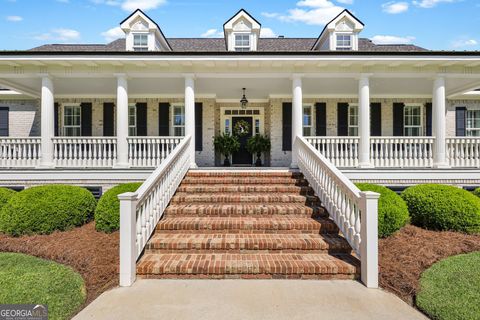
x,y
401,152
463,152
150,151
341,151
84,152
354,212
141,211
20,152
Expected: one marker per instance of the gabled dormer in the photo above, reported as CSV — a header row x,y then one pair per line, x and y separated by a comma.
x,y
242,32
340,34
143,34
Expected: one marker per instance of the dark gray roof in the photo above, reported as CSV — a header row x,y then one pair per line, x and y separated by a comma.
x,y
218,45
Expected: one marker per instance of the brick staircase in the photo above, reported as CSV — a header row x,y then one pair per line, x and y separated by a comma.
x,y
251,225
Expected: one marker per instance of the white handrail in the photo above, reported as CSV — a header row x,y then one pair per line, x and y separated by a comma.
x,y
84,152
150,151
463,151
141,211
354,212
20,152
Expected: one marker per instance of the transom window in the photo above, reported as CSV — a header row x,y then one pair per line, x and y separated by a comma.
x,y
178,121
412,121
242,42
132,120
344,42
307,120
140,42
353,120
473,123
72,121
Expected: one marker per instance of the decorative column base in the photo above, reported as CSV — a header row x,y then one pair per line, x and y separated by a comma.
x,y
441,166
46,166
121,166
366,165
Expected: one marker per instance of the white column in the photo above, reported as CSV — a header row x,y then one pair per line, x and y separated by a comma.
x,y
122,122
439,123
190,115
47,123
364,122
128,245
297,115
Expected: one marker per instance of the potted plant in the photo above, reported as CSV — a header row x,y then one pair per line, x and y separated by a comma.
x,y
258,144
226,144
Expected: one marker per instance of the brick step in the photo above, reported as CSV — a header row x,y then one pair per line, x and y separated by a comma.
x,y
248,225
254,188
240,209
244,181
213,198
253,243
238,265
232,174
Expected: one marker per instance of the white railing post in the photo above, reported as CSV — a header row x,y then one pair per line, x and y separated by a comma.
x,y
128,247
297,116
122,121
364,122
369,239
47,123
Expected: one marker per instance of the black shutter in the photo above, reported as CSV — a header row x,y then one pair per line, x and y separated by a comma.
x,y
287,126
428,109
141,119
342,119
376,119
56,108
163,119
108,120
398,119
321,119
86,119
460,121
4,121
198,126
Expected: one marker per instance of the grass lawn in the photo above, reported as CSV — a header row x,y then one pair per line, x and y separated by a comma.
x,y
30,280
450,288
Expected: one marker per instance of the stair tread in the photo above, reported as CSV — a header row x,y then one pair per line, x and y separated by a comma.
x,y
243,180
220,197
243,173
241,209
245,188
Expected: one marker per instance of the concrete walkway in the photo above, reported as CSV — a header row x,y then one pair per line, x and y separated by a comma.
x,y
247,299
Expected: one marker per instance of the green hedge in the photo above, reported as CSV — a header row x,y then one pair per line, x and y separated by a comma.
x,y
107,213
477,192
392,210
5,195
44,209
442,207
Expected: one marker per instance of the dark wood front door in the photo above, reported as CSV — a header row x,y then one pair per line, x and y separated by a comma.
x,y
243,157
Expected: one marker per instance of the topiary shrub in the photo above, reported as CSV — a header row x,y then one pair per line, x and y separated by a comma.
x,y
44,209
477,192
5,195
441,207
392,210
107,213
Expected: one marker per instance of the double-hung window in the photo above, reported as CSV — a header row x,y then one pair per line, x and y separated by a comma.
x,y
140,42
132,120
353,120
242,42
344,42
412,121
473,123
178,120
72,121
307,120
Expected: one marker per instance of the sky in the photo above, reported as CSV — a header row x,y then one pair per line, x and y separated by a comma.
x,y
433,24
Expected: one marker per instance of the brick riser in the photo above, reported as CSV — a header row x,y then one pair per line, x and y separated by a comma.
x,y
249,225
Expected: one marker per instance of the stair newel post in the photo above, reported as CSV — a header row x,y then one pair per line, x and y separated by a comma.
x,y
369,238
128,246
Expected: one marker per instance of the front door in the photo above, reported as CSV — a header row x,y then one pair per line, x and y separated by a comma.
x,y
243,157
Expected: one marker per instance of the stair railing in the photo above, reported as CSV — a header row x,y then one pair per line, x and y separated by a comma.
x,y
354,212
140,211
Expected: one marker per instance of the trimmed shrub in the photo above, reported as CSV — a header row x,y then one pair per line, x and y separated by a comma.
x,y
442,207
44,209
5,195
392,210
477,192
107,213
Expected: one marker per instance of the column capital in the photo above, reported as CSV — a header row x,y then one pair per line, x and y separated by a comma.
x,y
297,76
120,75
191,76
364,76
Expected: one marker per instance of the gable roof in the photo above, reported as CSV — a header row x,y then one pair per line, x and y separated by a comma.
x,y
240,11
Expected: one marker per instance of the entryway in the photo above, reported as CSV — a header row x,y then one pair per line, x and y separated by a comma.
x,y
242,156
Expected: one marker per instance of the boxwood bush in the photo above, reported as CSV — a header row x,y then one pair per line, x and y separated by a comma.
x,y
392,210
44,209
477,192
107,213
5,195
442,207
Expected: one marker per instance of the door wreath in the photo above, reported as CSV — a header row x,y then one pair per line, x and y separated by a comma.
x,y
241,128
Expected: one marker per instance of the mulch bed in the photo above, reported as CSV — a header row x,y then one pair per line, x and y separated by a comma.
x,y
405,255
92,254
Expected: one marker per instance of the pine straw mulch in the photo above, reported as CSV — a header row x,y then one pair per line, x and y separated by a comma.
x,y
92,254
405,255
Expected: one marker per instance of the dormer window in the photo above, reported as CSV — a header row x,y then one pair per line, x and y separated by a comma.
x,y
242,42
140,42
344,42
242,32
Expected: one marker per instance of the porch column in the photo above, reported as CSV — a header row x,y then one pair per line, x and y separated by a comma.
x,y
439,123
47,123
297,115
190,115
122,122
364,122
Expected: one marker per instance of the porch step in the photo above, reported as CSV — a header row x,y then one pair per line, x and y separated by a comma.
x,y
181,197
235,180
244,174
245,188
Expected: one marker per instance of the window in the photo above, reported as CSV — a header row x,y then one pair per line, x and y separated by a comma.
x,y
473,123
242,42
140,42
307,120
344,42
132,120
178,120
227,126
353,120
72,121
257,126
412,121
